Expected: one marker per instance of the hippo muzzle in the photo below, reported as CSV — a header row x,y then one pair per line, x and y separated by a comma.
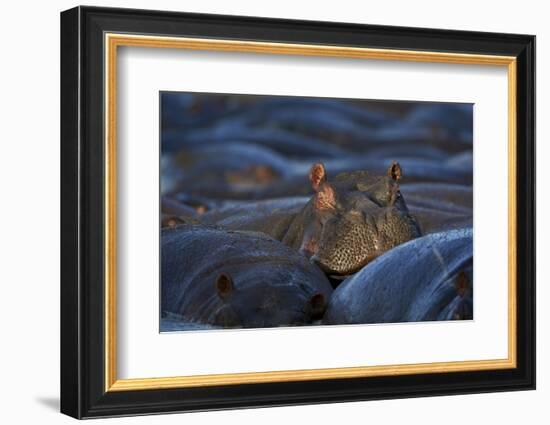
x,y
354,219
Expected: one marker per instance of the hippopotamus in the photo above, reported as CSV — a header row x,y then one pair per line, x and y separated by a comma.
x,y
236,279
284,123
233,214
283,142
234,163
187,111
434,208
444,196
419,169
348,222
289,111
449,122
237,179
174,212
440,206
434,220
429,278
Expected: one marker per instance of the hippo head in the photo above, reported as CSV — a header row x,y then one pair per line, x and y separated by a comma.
x,y
354,218
260,306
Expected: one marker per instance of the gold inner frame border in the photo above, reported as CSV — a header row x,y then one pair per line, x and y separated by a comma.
x,y
111,43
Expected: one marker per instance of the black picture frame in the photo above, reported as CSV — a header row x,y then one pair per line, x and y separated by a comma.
x,y
83,392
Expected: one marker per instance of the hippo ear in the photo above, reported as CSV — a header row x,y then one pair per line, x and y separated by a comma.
x,y
224,285
317,176
394,171
318,306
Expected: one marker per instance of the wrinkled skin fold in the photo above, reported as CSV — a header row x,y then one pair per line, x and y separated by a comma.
x,y
393,288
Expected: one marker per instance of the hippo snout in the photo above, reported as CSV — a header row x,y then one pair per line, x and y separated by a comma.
x,y
353,219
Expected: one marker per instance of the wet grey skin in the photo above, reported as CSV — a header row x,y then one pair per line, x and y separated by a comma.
x,y
440,206
347,223
236,279
429,278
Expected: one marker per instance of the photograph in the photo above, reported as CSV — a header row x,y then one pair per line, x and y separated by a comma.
x,y
280,211
262,211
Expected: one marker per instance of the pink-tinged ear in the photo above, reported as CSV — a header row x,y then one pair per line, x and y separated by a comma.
x,y
325,198
317,176
394,171
224,285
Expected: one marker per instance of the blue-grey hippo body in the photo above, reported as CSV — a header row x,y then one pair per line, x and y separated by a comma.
x,y
428,278
236,279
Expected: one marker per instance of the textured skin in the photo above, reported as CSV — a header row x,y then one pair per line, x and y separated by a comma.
x,y
347,244
367,217
429,278
273,285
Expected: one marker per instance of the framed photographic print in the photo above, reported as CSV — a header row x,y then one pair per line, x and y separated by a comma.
x,y
261,212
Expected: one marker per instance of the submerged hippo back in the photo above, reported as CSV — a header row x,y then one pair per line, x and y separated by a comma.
x,y
429,278
238,279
